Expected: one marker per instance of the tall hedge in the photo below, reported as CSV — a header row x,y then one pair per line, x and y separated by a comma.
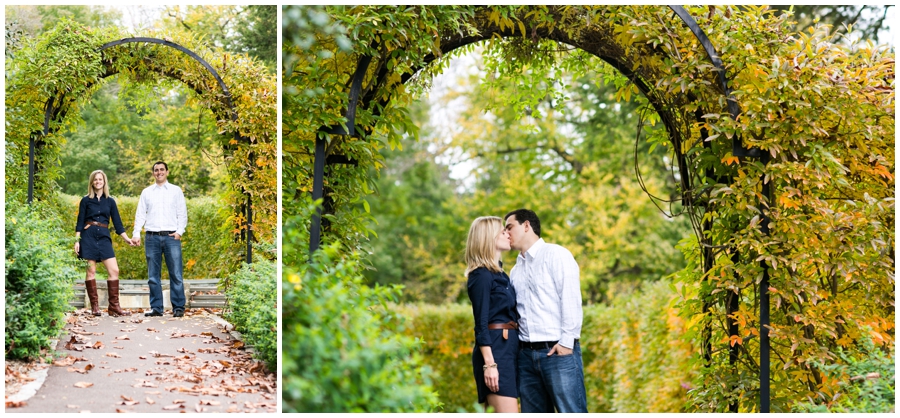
x,y
205,253
40,271
634,356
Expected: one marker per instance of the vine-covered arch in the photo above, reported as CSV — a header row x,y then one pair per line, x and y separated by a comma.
x,y
662,57
666,105
245,123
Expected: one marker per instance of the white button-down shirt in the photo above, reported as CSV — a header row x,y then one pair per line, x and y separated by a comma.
x,y
161,208
548,294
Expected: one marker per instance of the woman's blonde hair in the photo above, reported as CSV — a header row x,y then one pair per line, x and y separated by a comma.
x,y
481,245
94,175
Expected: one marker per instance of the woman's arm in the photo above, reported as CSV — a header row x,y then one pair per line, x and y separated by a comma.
x,y
82,212
117,221
491,374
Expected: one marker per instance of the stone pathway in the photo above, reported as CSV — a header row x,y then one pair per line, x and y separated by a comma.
x,y
158,364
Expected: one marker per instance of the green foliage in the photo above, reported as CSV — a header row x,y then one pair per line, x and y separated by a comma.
x,y
635,359
205,255
40,272
343,347
636,356
866,382
253,306
126,128
250,30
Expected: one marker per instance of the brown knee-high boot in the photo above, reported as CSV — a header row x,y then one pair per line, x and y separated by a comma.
x,y
114,309
91,287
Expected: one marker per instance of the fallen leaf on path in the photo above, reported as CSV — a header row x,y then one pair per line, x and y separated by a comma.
x,y
128,329
209,402
150,401
123,337
83,385
15,404
238,344
112,354
68,361
86,369
172,407
142,357
225,363
145,384
118,347
97,345
152,330
122,411
183,350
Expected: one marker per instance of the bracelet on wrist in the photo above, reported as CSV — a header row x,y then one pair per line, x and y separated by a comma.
x,y
488,366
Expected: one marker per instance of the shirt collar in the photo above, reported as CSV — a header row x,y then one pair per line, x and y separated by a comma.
x,y
164,185
534,250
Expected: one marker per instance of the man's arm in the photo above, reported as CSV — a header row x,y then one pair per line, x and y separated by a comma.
x,y
180,213
140,216
566,268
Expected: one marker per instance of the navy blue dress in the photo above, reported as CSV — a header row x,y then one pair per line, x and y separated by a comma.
x,y
96,242
494,302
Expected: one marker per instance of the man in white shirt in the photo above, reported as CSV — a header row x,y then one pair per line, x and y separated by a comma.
x,y
548,298
162,213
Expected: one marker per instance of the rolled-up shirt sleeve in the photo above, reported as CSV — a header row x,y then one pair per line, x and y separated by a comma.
x,y
479,287
566,275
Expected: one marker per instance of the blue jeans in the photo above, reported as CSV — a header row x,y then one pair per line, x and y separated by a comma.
x,y
155,246
551,382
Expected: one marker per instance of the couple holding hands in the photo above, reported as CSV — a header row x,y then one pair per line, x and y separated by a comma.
x,y
527,324
161,211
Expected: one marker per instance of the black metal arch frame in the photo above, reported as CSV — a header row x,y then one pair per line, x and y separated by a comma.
x,y
738,150
54,110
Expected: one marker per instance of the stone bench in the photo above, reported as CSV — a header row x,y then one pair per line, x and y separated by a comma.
x,y
135,294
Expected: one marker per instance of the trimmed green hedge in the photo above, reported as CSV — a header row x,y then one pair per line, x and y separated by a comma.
x,y
633,354
253,308
207,249
40,270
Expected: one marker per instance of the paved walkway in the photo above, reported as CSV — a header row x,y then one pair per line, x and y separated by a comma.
x,y
158,364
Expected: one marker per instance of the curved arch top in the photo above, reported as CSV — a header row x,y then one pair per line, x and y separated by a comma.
x,y
52,111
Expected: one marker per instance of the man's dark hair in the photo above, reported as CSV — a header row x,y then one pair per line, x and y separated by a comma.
x,y
158,163
523,215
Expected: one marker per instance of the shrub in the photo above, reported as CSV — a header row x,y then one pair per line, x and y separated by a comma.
x,y
208,251
865,381
344,350
40,271
632,350
253,306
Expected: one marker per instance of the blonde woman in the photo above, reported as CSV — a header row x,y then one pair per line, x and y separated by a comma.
x,y
94,243
494,307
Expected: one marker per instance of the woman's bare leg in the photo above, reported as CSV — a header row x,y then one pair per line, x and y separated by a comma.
x,y
503,404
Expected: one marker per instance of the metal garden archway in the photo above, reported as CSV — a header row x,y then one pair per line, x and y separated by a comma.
x,y
738,150
55,110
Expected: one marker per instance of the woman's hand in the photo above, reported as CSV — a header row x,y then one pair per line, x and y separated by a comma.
x,y
492,379
77,247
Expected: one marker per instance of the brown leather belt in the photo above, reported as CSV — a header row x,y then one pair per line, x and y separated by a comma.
x,y
95,223
505,327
